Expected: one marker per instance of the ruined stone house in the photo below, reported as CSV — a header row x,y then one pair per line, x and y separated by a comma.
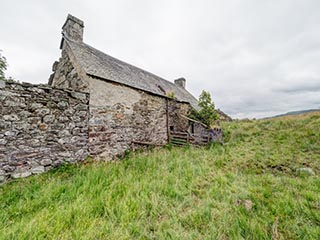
x,y
94,105
127,104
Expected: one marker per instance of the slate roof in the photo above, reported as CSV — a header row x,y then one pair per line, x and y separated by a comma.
x,y
101,65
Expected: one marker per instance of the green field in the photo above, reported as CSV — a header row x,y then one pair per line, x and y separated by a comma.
x,y
248,188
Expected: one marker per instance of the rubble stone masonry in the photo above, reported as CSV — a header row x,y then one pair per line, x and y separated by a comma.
x,y
121,115
40,127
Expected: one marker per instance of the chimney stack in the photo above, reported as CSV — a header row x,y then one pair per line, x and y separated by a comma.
x,y
181,82
72,29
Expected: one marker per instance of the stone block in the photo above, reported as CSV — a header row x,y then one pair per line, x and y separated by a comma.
x,y
21,174
2,178
43,126
24,114
58,163
42,112
78,95
46,162
11,117
63,105
10,133
2,84
21,126
35,106
37,90
37,170
81,107
34,120
8,168
49,119
5,124
63,119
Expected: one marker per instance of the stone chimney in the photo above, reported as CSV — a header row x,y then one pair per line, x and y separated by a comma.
x,y
181,82
73,29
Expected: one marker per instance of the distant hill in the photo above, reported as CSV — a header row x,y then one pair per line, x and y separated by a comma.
x,y
296,113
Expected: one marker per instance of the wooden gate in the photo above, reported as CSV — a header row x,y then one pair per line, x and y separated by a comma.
x,y
184,138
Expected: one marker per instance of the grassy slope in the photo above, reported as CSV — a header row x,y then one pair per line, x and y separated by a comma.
x,y
181,193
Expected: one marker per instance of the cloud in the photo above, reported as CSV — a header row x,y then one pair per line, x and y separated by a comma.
x,y
312,85
255,57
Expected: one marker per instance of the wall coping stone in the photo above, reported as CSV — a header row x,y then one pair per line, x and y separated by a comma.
x,y
73,92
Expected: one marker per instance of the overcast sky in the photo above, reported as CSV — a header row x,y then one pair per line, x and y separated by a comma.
x,y
256,57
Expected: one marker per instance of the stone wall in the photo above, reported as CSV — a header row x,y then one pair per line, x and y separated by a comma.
x,y
66,74
199,129
176,110
40,127
121,115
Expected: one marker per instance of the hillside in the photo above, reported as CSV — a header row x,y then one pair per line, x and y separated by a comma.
x,y
249,188
296,113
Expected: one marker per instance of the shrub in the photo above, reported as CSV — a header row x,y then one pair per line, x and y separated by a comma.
x,y
207,113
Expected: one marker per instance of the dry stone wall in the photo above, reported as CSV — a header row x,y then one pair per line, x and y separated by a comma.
x,y
40,127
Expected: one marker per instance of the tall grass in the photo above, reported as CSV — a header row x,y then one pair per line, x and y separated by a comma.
x,y
248,188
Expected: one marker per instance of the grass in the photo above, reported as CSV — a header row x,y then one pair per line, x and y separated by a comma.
x,y
248,188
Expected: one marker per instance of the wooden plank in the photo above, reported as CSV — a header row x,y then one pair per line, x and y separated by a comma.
x,y
147,143
179,133
178,140
181,137
193,120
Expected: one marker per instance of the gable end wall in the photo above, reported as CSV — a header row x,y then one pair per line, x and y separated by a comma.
x,y
67,73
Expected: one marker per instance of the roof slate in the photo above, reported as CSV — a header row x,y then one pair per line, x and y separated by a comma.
x,y
101,65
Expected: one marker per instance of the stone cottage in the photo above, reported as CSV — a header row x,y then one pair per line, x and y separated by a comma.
x,y
126,104
94,105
